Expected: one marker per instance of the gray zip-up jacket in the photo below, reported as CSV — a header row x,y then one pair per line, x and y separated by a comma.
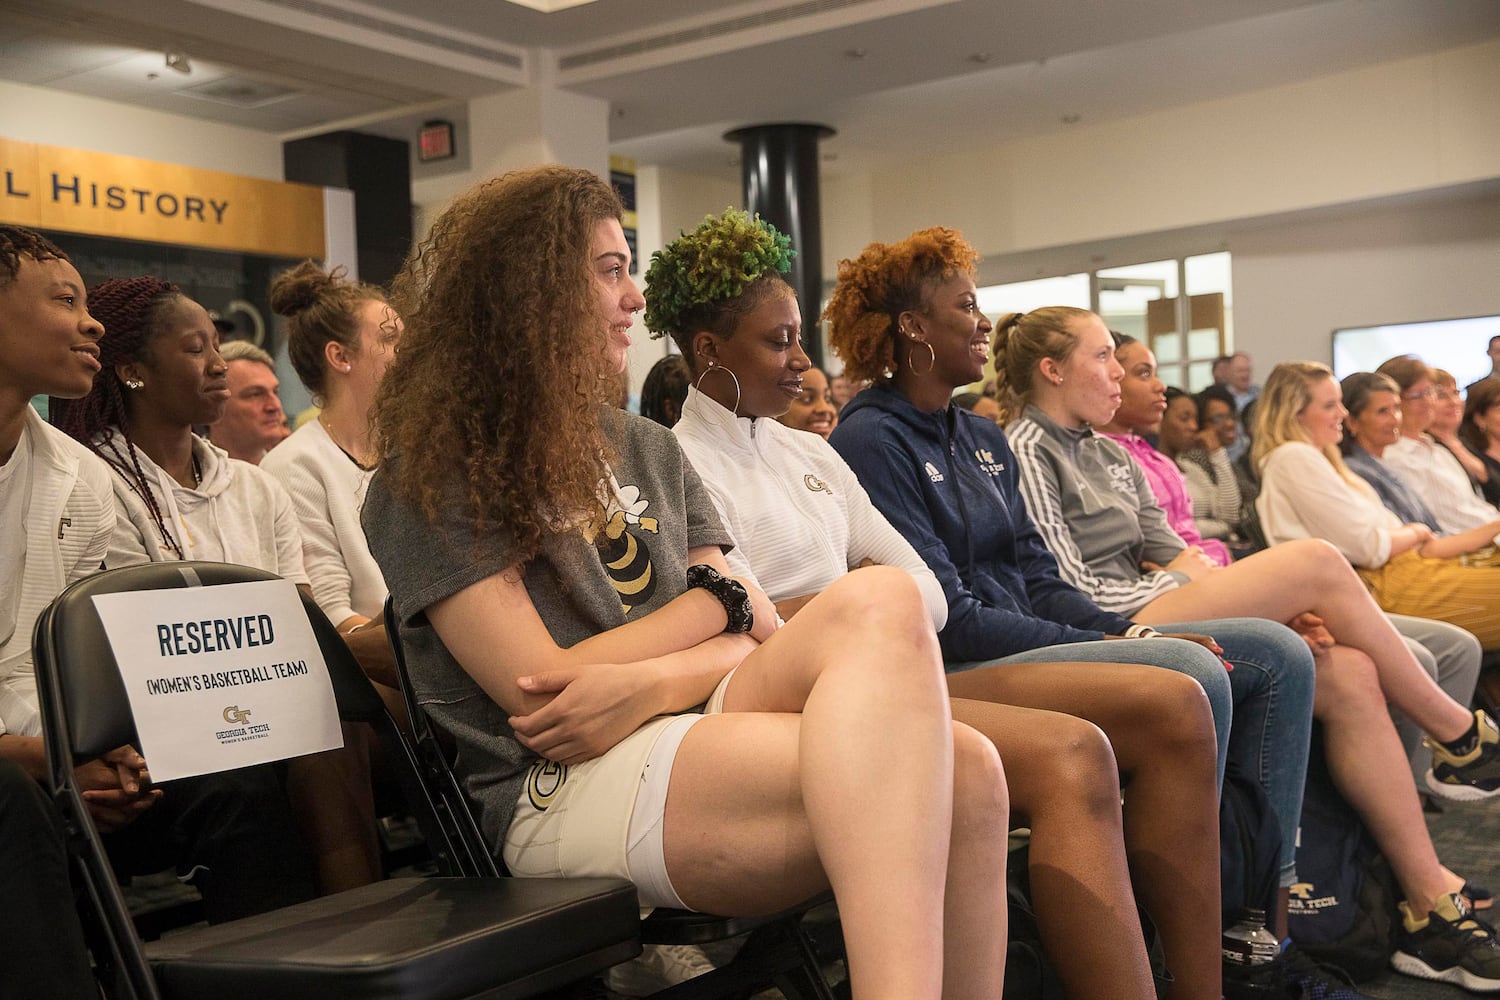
x,y
1096,512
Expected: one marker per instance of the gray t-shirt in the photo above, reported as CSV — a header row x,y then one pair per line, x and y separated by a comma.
x,y
636,563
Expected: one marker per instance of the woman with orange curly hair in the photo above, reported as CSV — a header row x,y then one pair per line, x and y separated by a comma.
x,y
621,704
906,315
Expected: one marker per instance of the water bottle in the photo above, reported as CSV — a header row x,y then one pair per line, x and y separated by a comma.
x,y
1248,942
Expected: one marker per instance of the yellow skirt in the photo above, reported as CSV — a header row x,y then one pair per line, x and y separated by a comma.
x,y
1464,591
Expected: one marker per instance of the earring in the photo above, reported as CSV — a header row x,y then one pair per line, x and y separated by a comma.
x,y
348,368
134,383
1058,380
931,358
715,366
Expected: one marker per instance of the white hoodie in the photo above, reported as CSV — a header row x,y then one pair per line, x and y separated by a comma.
x,y
238,514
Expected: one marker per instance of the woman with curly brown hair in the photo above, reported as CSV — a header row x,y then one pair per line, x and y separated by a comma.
x,y
559,577
905,315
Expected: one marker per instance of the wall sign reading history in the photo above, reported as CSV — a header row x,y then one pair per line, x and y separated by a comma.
x,y
78,191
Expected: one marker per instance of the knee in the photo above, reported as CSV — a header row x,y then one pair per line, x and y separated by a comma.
x,y
1347,679
981,800
1320,560
881,604
1183,713
1082,772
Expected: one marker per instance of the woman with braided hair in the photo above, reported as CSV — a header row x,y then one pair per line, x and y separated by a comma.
x,y
178,496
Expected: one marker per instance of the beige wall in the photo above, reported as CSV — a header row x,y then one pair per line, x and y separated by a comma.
x,y
1400,127
32,114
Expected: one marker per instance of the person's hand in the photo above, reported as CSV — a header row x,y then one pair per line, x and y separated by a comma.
x,y
1207,438
1206,641
116,788
1313,632
761,609
590,710
1191,562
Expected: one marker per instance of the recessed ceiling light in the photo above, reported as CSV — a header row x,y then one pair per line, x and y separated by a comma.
x,y
179,61
855,53
1071,119
980,57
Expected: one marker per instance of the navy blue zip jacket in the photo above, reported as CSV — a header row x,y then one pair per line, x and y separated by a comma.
x,y
948,482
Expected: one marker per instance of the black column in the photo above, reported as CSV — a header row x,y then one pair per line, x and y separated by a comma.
x,y
779,167
378,171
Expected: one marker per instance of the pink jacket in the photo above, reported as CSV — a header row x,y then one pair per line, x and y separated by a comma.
x,y
1171,492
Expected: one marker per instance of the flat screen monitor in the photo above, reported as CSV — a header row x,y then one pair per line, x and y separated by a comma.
x,y
1456,345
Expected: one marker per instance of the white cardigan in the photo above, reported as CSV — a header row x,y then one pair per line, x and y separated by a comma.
x,y
69,520
1303,496
798,515
328,490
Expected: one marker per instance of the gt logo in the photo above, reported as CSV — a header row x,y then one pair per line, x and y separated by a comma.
x,y
235,716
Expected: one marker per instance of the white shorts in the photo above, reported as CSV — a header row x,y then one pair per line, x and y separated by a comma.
x,y
604,817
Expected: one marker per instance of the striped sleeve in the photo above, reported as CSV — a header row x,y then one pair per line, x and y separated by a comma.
x,y
1043,495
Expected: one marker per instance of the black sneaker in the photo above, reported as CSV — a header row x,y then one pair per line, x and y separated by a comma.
x,y
1307,979
1472,776
1451,945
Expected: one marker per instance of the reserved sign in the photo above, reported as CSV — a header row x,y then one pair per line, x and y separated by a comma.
x,y
221,677
101,194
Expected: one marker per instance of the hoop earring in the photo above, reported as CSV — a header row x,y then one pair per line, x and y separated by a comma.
x,y
931,358
715,366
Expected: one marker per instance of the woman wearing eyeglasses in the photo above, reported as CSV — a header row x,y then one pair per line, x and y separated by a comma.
x,y
1429,468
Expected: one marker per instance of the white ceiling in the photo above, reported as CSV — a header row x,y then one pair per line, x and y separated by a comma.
x,y
898,79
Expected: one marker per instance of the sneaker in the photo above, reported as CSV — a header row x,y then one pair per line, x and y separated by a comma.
x,y
1472,776
1307,979
655,968
1449,945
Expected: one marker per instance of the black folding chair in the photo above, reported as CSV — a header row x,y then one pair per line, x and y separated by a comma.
x,y
435,938
778,951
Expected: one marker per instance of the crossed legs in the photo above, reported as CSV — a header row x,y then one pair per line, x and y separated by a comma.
x,y
836,763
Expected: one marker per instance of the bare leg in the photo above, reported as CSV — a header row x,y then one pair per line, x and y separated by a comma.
x,y
869,782
1369,766
1063,785
1162,731
333,801
1310,575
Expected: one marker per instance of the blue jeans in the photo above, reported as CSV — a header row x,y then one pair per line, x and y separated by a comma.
x,y
1262,708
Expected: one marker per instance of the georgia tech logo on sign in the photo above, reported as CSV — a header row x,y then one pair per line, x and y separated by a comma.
x,y
235,716
240,729
815,484
987,462
543,782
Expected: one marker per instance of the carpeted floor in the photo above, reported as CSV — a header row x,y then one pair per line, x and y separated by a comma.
x,y
1467,838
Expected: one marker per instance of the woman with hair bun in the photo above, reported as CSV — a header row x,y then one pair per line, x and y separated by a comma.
x,y
341,335
622,704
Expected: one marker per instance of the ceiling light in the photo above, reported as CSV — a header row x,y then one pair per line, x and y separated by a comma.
x,y
1071,119
179,61
855,53
980,57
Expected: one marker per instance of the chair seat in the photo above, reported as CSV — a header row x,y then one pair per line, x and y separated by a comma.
x,y
415,939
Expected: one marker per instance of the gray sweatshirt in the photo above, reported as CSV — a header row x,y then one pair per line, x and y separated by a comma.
x,y
1096,512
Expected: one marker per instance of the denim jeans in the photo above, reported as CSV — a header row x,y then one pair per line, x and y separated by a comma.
x,y
1262,708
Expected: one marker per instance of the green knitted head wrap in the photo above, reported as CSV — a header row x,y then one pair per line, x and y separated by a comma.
x,y
715,262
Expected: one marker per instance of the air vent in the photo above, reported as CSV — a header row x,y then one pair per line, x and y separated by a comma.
x,y
239,92
702,32
332,12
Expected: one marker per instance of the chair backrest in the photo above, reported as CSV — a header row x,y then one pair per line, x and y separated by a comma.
x,y
86,701
460,827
